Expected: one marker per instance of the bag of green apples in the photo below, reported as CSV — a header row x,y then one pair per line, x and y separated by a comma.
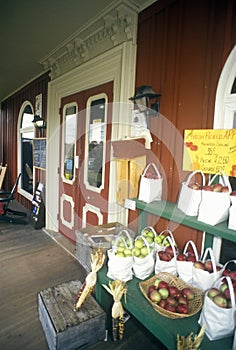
x,y
144,262
166,258
149,233
218,312
185,261
160,242
120,258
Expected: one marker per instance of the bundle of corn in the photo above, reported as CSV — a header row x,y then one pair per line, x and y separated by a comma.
x,y
97,261
117,290
192,342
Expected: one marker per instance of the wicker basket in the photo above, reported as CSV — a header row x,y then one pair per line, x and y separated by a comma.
x,y
195,305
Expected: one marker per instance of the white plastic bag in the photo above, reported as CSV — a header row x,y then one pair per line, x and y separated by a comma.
x,y
144,267
203,279
167,266
189,198
220,322
214,207
185,268
150,189
120,268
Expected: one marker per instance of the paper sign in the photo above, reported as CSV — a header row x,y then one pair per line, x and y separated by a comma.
x,y
210,151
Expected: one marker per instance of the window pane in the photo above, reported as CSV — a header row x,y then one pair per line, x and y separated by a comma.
x,y
96,141
69,142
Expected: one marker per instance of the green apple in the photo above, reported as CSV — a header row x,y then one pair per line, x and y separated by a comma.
x,y
127,252
120,249
121,255
151,234
136,251
139,243
149,239
158,240
144,251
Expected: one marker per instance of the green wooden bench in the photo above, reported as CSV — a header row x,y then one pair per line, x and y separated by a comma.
x,y
161,327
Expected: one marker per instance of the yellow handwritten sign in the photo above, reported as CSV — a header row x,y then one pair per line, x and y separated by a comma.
x,y
210,150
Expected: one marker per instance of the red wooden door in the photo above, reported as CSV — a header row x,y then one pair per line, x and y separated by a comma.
x,y
85,159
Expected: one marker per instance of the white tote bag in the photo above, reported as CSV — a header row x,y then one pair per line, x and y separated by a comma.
x,y
150,189
167,266
214,207
185,268
189,198
220,322
203,279
144,267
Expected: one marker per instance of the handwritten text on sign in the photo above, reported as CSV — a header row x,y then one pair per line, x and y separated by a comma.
x,y
210,150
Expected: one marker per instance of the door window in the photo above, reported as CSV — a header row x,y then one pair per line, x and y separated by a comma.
x,y
69,142
96,142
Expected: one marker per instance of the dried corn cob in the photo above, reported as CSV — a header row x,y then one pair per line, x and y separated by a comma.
x,y
117,290
97,261
192,342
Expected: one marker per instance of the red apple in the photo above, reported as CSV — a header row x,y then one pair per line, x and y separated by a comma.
x,y
182,309
191,258
163,284
179,295
207,188
225,189
212,292
162,303
181,257
171,301
233,275
199,265
151,288
227,294
208,266
220,300
173,291
194,186
217,187
164,293
170,308
188,293
164,256
155,296
226,272
183,300
233,193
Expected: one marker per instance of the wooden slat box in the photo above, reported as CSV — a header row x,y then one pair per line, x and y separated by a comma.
x,y
64,328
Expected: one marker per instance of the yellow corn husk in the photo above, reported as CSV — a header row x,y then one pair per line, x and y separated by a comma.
x,y
192,342
117,289
97,261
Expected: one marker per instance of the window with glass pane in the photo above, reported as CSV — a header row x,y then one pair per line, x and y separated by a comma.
x,y
69,141
96,142
27,135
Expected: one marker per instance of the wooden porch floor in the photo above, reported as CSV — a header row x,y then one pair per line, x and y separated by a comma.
x,y
31,261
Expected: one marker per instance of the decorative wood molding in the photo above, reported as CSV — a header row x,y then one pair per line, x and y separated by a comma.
x,y
113,27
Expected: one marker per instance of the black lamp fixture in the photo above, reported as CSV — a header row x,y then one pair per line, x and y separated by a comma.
x,y
39,123
142,99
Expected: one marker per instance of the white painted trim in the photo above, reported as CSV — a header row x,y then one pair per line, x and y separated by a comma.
x,y
91,208
66,198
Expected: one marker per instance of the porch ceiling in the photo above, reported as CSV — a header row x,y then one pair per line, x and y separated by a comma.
x,y
31,29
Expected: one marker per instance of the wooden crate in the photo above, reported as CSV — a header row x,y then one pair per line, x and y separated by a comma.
x,y
64,328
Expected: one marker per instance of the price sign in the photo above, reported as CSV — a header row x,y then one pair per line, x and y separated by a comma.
x,y
210,151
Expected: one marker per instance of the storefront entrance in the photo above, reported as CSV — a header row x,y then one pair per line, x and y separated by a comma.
x,y
85,135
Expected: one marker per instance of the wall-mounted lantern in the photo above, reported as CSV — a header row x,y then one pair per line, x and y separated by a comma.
x,y
147,101
39,123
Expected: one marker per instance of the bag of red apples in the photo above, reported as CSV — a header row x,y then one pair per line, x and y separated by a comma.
x,y
185,261
166,258
190,194
150,187
218,312
215,203
206,271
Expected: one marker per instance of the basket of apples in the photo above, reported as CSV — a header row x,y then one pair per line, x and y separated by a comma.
x,y
171,297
